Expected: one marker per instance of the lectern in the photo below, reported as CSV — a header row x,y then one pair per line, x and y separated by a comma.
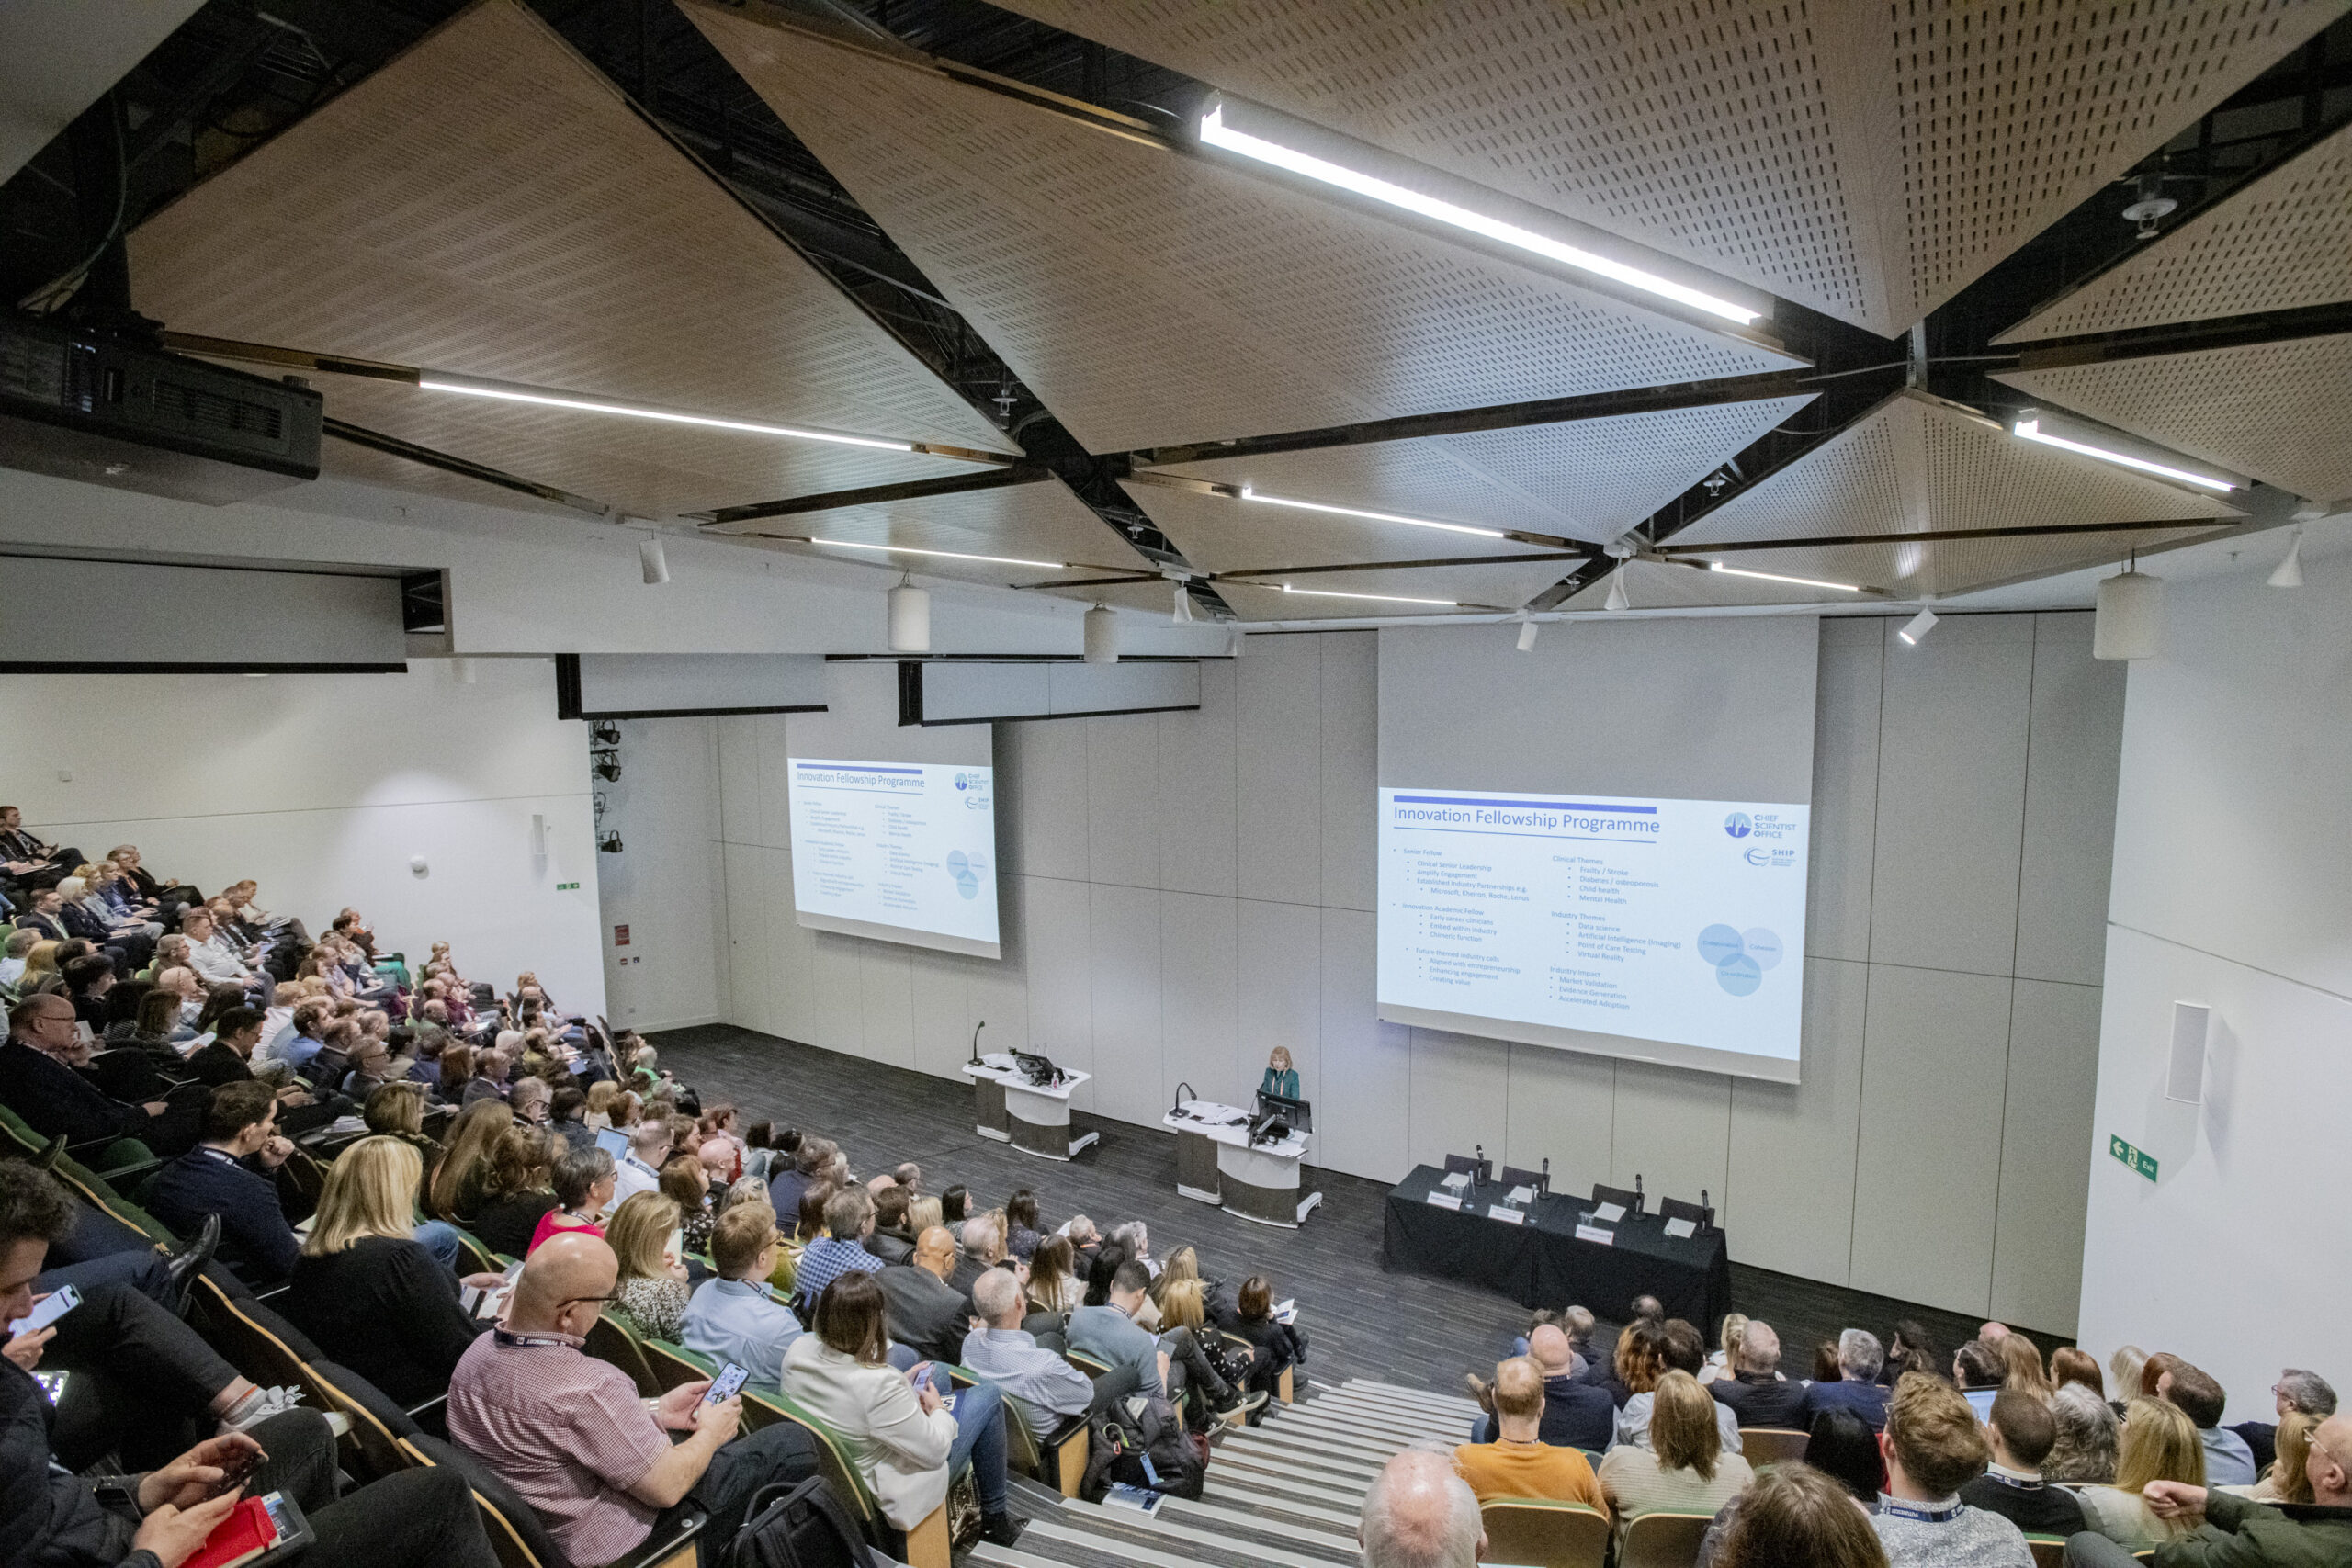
x,y
1024,1101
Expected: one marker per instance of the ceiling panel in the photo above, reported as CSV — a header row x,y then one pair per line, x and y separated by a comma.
x,y
1156,596
488,204
1864,159
1151,298
649,469
2275,412
1588,480
57,56
1657,585
1038,522
2282,242
1471,588
1916,463
1221,533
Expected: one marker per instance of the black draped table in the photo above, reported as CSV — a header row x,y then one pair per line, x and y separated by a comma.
x,y
1542,1262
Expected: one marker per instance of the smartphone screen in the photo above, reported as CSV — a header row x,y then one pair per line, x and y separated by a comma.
x,y
728,1385
46,1310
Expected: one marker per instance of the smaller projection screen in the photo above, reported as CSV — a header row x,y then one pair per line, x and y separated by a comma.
x,y
902,850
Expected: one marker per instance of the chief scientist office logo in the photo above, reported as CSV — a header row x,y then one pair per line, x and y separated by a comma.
x,y
1738,825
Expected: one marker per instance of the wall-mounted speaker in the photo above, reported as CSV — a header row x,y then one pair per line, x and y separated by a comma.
x,y
2185,1078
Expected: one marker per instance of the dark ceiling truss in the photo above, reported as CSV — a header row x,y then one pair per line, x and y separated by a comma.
x,y
236,74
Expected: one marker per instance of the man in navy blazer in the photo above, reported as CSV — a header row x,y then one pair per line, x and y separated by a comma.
x,y
38,1083
232,1174
1759,1395
1859,1359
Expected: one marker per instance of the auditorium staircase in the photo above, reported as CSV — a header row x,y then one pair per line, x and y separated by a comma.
x,y
1282,1494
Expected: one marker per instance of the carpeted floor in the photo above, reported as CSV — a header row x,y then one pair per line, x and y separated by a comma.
x,y
1362,1321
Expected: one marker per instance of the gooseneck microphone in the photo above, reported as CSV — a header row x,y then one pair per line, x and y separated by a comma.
x,y
976,1042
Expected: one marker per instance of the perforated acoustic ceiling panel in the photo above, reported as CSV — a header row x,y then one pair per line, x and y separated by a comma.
x,y
488,204
1218,534
1151,298
1916,464
1865,157
2275,412
2282,242
645,467
1588,479
1039,522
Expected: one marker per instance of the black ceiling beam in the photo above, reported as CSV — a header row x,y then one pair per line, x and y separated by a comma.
x,y
2185,337
1395,565
1931,536
908,490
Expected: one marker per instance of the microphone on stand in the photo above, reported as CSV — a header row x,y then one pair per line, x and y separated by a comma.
x,y
1639,1202
1707,1219
1547,1176
1480,1157
1183,1091
976,1042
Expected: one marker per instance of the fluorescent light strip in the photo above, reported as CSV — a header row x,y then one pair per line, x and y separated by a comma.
x,y
1259,495
1216,133
471,386
1776,577
2030,430
943,554
1376,598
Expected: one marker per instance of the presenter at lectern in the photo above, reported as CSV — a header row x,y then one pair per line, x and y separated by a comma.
x,y
1281,1078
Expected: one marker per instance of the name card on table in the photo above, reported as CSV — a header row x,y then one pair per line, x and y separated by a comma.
x,y
1444,1200
1600,1234
1507,1214
1682,1230
1609,1213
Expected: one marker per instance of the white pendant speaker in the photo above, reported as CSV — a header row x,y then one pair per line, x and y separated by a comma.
x,y
2130,617
1101,636
909,619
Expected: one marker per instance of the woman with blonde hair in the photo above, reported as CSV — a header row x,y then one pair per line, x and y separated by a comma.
x,y
651,1293
2159,1444
43,972
2287,1481
1726,1361
2022,1359
472,1137
601,1096
923,1213
1053,1282
1684,1470
367,1292
2125,1367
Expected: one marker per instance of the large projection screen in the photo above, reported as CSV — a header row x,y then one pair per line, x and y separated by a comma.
x,y
1600,846
893,829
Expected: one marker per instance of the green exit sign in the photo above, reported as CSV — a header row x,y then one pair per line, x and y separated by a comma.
x,y
565,886
2138,1160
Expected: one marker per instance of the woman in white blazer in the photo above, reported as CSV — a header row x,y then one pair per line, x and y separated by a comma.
x,y
894,1426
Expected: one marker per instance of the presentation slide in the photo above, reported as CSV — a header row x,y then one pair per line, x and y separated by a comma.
x,y
1668,930
905,851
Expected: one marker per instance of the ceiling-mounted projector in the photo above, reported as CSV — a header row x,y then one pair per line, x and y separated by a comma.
x,y
85,405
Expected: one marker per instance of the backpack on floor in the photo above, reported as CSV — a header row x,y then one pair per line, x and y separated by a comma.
x,y
1120,1438
798,1524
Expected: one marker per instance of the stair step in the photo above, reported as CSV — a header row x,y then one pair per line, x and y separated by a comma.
x,y
1234,1487
1271,1471
1413,1398
1161,1525
1339,1537
1307,1461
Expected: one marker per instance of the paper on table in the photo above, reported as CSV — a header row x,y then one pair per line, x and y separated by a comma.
x,y
1609,1213
1459,1178
1523,1194
1679,1229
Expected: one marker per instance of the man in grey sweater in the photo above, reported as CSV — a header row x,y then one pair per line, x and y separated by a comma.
x,y
1934,1447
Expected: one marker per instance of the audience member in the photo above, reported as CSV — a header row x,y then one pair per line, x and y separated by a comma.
x,y
1110,1334
893,1426
1021,1225
1042,1388
2226,1531
1575,1414
2229,1461
734,1316
1756,1392
1679,1348
38,1081
2159,1443
686,1183
1053,1282
1518,1463
1793,1517
1841,1445
2021,1432
517,1192
2070,1364
1725,1357
891,1241
1857,1388
2289,1478
1420,1513
2025,1372
367,1292
2088,1435
1683,1468
1978,1368
649,1150
585,1185
651,1293
849,1218
924,1310
1933,1447
232,1173
1275,1346
814,1157
458,1181
2296,1389
570,1434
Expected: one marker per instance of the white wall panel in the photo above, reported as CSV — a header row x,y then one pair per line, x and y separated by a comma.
x,y
1365,1065
1845,786
662,885
2046,1142
1673,1129
836,991
1561,1109
2075,747
1789,1193
1197,828
1199,994
1928,1172
1461,1095
1351,768
1121,797
885,983
1123,932
1048,837
773,738
1952,795
748,941
1279,768
943,1011
739,780
1059,958
999,988
1279,1001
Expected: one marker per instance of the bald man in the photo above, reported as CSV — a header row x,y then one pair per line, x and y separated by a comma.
x,y
922,1307
569,1433
1576,1415
1518,1463
1756,1392
2236,1533
1420,1513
